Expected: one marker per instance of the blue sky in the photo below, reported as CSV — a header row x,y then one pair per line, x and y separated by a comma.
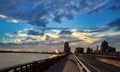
x,y
49,23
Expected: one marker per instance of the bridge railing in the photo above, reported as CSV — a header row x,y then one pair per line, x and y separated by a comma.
x,y
36,66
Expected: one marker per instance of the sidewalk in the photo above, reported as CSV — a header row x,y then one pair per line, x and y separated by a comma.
x,y
67,64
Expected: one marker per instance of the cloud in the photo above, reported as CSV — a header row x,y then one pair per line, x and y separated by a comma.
x,y
113,26
114,8
32,32
41,12
16,34
107,5
65,32
86,37
22,35
17,41
52,29
52,35
52,39
14,20
7,34
74,41
8,19
101,8
2,16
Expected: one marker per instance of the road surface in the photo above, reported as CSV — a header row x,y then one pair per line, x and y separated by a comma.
x,y
67,64
97,66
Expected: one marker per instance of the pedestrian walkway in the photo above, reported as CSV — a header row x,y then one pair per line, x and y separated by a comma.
x,y
67,64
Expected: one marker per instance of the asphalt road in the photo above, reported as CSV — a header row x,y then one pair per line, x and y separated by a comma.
x,y
67,64
97,66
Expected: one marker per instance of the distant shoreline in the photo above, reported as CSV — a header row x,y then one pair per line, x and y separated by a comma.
x,y
28,52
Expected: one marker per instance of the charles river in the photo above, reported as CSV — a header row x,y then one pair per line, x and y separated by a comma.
x,y
11,59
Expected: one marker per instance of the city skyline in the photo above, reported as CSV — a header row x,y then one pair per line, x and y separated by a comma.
x,y
47,24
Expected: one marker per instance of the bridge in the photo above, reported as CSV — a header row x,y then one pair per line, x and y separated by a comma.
x,y
65,63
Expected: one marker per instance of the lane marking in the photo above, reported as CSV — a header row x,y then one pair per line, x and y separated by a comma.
x,y
82,64
80,67
92,67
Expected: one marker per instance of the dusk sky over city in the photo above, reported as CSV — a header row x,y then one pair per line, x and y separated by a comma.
x,y
47,24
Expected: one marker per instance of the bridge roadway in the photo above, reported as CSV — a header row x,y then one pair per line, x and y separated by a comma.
x,y
97,66
69,64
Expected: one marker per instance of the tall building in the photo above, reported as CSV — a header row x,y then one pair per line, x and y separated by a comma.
x,y
104,46
111,49
79,50
89,50
96,51
66,47
97,48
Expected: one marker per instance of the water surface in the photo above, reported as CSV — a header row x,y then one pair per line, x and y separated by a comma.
x,y
10,59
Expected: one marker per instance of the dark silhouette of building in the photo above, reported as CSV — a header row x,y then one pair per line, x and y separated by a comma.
x,y
79,50
111,49
97,49
89,50
66,47
105,48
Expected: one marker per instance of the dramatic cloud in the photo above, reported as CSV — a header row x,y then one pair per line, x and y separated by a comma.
x,y
66,32
114,25
107,5
97,10
32,32
41,12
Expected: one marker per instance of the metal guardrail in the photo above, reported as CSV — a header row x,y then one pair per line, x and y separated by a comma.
x,y
85,68
36,66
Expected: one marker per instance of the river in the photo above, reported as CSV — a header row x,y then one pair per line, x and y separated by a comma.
x,y
11,59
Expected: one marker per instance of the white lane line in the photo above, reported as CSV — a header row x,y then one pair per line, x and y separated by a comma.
x,y
82,65
93,67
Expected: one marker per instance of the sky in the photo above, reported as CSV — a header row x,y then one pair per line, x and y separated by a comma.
x,y
44,25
